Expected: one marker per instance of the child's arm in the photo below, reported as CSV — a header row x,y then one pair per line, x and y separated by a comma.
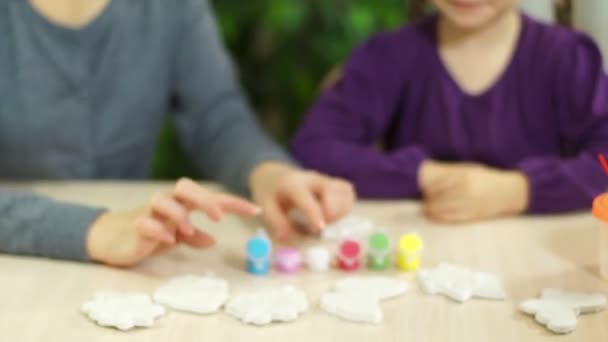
x,y
461,192
340,132
581,100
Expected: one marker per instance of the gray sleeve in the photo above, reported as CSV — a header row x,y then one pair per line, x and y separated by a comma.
x,y
39,226
215,123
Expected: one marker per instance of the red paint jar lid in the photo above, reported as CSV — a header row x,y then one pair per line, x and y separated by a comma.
x,y
350,249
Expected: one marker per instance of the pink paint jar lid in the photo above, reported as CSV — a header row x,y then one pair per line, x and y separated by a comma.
x,y
288,259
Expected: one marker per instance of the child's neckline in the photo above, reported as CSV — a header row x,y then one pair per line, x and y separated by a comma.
x,y
502,75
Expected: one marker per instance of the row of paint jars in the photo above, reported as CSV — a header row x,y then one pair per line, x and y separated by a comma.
x,y
348,256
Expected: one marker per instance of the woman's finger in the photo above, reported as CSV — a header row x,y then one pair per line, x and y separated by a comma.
x,y
199,239
195,196
154,229
237,205
170,209
303,199
337,199
278,219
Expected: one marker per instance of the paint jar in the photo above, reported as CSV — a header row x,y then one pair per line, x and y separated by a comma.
x,y
288,260
379,251
259,250
409,251
318,259
349,255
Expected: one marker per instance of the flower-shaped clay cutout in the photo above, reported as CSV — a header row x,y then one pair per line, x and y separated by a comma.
x,y
123,311
196,294
460,283
261,307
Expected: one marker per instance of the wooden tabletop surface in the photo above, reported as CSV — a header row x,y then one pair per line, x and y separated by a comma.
x,y
40,299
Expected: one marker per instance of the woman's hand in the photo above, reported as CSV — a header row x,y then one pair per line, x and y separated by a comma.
x,y
279,188
126,238
464,192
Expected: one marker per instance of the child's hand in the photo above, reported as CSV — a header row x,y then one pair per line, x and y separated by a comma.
x,y
280,188
463,192
125,239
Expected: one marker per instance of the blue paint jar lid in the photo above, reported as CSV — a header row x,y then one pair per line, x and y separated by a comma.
x,y
258,247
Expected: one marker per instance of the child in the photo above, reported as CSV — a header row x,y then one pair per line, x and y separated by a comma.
x,y
480,109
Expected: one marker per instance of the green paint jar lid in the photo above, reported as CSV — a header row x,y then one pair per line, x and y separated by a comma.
x,y
379,242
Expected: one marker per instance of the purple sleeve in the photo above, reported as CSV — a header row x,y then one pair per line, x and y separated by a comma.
x,y
348,120
581,104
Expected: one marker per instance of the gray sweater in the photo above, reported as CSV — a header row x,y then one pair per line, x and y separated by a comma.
x,y
88,104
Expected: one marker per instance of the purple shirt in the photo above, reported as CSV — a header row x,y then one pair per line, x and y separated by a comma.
x,y
546,115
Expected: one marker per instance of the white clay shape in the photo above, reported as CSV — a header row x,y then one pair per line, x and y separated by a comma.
x,y
460,283
488,286
380,287
318,259
123,311
350,226
352,306
261,307
358,299
558,310
195,294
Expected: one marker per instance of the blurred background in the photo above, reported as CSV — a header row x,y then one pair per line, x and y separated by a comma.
x,y
284,49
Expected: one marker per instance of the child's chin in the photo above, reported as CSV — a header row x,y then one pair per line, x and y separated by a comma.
x,y
471,22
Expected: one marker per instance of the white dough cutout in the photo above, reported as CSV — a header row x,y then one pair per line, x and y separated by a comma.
x,y
123,311
358,299
558,310
262,307
350,226
379,287
352,306
460,283
195,294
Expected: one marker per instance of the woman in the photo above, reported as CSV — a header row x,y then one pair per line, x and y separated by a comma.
x,y
482,111
83,92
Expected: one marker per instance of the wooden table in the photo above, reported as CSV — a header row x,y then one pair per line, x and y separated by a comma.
x,y
40,299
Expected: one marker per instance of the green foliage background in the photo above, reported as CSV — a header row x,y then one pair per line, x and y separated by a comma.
x,y
284,49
